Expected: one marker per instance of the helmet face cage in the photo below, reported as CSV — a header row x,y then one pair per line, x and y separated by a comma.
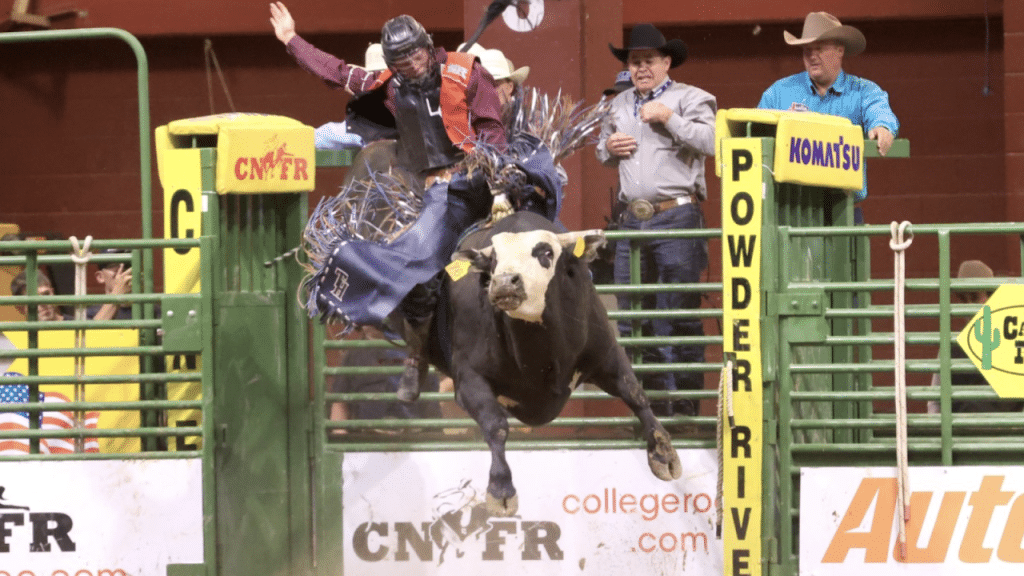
x,y
401,36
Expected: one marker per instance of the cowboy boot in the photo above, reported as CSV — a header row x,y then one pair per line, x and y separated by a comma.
x,y
414,377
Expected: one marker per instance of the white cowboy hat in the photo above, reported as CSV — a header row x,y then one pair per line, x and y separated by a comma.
x,y
374,59
824,26
495,62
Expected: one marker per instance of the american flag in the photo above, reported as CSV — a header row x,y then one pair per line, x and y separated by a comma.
x,y
51,420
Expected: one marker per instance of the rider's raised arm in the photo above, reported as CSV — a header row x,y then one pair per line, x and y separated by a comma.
x,y
334,71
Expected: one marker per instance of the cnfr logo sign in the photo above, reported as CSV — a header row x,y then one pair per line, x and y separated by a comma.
x,y
276,164
994,341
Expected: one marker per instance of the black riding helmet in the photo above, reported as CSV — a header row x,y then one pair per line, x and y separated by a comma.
x,y
402,35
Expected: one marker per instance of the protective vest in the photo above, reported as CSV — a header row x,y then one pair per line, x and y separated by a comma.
x,y
454,98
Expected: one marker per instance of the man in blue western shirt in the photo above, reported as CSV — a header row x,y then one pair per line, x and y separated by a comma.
x,y
826,89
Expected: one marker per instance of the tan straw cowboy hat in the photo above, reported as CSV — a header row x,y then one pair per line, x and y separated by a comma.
x,y
495,62
824,26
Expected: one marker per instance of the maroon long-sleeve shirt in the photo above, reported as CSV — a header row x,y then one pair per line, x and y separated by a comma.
x,y
484,106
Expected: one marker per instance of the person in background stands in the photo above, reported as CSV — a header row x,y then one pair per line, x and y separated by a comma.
x,y
972,269
44,287
622,82
825,88
508,80
336,135
658,135
116,279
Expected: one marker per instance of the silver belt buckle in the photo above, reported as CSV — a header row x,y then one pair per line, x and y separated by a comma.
x,y
642,209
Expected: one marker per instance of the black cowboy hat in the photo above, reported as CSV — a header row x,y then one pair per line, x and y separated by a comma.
x,y
646,36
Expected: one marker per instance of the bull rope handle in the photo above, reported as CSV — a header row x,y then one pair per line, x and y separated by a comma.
x,y
725,411
902,237
80,256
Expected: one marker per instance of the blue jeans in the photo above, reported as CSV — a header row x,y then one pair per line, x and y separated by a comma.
x,y
667,261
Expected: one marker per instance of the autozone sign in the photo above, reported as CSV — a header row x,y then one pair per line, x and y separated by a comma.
x,y
963,520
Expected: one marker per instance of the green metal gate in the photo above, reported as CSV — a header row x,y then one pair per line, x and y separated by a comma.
x,y
828,365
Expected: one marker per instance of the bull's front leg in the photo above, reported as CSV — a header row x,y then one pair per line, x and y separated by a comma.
x,y
475,396
619,380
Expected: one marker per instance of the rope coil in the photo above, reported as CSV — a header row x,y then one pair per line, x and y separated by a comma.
x,y
80,255
725,411
902,237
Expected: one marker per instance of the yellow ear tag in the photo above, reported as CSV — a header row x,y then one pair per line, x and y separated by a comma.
x,y
457,269
578,249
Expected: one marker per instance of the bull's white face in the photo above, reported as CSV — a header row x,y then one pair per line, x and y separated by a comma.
x,y
524,264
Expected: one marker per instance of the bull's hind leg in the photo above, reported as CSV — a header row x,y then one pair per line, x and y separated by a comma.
x,y
620,381
474,395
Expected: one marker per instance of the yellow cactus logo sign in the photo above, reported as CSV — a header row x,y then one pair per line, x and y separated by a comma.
x,y
994,341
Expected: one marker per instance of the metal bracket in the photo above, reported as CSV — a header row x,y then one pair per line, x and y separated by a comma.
x,y
182,326
802,316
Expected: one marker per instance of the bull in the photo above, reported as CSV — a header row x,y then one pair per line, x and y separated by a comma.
x,y
527,327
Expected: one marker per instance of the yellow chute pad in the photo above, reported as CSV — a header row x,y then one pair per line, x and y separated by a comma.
x,y
812,152
213,124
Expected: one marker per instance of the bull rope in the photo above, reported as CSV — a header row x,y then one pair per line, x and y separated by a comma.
x,y
80,256
725,411
902,237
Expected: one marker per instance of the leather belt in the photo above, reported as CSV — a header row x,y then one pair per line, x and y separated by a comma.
x,y
645,209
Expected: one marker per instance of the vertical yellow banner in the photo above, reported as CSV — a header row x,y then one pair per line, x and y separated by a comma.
x,y
181,179
741,303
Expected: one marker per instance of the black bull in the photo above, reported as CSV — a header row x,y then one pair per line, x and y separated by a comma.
x,y
528,366
507,358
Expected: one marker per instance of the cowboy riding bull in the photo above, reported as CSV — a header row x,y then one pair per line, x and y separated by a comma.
x,y
518,305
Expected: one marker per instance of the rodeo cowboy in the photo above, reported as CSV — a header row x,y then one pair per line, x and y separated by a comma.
x,y
438,106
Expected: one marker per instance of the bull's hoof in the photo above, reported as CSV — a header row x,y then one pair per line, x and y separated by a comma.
x,y
502,507
409,384
663,459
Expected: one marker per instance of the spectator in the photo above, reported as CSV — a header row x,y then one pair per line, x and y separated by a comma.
x,y
972,269
825,88
622,82
116,279
658,135
508,80
44,287
336,135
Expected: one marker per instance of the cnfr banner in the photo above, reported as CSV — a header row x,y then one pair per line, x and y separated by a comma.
x,y
741,302
100,518
963,520
580,512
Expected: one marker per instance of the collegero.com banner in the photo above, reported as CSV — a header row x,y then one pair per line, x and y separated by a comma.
x,y
587,513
